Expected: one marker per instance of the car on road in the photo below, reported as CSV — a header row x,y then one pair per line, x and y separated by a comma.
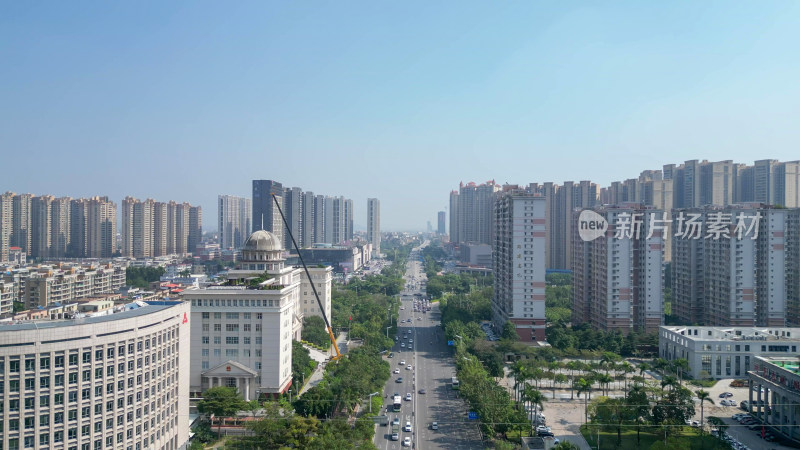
x,y
391,354
402,345
422,391
726,395
543,428
407,428
399,380
396,421
395,436
402,362
411,341
408,367
408,396
407,442
435,426
545,434
396,370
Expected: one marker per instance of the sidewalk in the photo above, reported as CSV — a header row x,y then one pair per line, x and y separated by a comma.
x,y
322,359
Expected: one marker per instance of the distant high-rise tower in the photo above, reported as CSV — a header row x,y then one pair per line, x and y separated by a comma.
x,y
101,228
441,227
6,201
40,225
233,222
293,210
265,215
195,228
21,222
374,224
60,227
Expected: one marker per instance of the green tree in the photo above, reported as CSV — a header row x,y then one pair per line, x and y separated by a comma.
x,y
565,445
637,400
584,386
315,331
536,400
222,402
277,429
704,397
509,332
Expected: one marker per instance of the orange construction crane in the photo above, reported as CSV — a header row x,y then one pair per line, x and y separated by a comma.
x,y
313,287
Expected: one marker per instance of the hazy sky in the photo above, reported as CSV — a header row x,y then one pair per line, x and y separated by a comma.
x,y
395,100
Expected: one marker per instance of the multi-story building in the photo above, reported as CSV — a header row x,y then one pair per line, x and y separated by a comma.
x,y
233,222
374,224
718,353
618,276
115,381
519,263
245,331
100,228
60,227
21,221
308,219
40,225
151,228
6,224
440,229
322,278
293,210
320,218
8,295
745,274
59,284
473,212
265,215
774,395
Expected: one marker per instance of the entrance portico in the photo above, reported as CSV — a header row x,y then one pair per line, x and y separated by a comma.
x,y
232,374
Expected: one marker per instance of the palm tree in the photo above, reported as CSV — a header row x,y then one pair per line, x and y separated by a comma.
x,y
627,368
681,366
703,396
604,379
520,372
573,366
643,367
584,386
670,381
536,399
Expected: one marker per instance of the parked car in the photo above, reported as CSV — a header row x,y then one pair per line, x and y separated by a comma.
x,y
395,436
435,426
399,380
545,434
725,395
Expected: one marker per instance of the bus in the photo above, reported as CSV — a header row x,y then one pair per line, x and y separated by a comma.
x,y
397,402
455,383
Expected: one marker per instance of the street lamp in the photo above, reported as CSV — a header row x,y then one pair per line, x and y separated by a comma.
x,y
370,400
387,331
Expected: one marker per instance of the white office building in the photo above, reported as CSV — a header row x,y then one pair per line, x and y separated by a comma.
x,y
115,381
244,331
725,352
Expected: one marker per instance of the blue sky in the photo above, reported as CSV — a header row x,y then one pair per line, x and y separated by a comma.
x,y
395,100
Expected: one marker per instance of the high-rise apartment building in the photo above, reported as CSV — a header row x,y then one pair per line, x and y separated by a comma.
x,y
519,263
60,227
618,276
308,220
320,223
473,212
440,229
101,228
233,221
40,225
195,235
6,224
348,220
743,277
293,210
21,222
265,215
374,224
160,226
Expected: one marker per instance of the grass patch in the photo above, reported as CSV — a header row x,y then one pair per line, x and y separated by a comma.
x,y
703,383
687,438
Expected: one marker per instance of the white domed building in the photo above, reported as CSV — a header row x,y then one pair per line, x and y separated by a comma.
x,y
243,330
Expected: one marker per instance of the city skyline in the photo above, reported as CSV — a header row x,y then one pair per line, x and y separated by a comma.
x,y
217,88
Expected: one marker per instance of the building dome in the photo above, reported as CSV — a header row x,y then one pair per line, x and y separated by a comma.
x,y
261,241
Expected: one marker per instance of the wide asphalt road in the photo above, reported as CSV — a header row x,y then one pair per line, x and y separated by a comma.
x,y
432,370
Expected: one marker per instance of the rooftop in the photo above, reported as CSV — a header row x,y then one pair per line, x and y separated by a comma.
x,y
131,310
736,333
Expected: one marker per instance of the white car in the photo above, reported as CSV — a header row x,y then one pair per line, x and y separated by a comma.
x,y
408,367
402,345
402,362
408,396
407,428
396,370
407,442
411,341
543,428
